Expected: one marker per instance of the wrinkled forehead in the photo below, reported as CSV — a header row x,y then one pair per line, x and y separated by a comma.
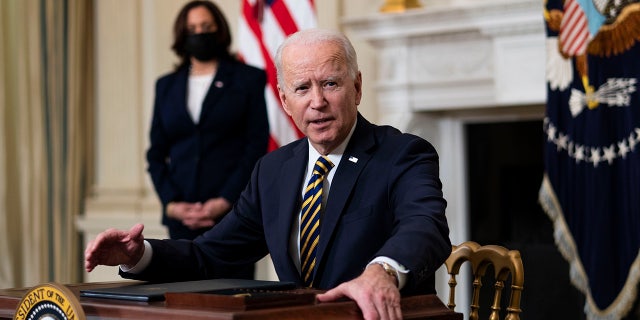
x,y
314,56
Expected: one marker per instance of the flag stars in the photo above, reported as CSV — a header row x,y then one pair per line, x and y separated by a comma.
x,y
579,153
551,132
571,150
591,154
561,142
632,143
623,149
609,153
595,156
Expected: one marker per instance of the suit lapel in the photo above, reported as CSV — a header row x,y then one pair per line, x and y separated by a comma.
x,y
353,161
219,85
177,97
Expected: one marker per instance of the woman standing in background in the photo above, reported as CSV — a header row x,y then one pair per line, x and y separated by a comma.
x,y
209,126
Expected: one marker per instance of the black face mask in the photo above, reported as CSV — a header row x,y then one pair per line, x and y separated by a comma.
x,y
204,46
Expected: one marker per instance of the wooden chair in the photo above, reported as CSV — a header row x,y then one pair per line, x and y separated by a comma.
x,y
504,262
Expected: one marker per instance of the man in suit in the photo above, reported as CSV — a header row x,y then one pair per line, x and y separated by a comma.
x,y
382,228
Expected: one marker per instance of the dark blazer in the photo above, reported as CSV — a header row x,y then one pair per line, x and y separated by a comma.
x,y
214,158
385,200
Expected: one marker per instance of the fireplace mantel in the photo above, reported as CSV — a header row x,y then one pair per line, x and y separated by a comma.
x,y
444,57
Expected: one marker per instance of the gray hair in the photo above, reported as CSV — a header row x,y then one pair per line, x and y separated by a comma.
x,y
315,36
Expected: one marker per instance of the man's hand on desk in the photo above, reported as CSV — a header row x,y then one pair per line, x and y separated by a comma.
x,y
375,292
115,247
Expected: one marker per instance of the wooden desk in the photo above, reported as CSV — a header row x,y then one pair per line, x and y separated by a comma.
x,y
417,307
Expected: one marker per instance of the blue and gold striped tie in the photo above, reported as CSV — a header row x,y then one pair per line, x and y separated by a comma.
x,y
310,220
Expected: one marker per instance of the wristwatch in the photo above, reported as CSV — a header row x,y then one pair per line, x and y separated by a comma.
x,y
389,270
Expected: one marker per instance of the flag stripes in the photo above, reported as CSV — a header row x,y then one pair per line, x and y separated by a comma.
x,y
262,28
574,31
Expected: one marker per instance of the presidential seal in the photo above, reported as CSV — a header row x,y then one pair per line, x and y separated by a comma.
x,y
50,301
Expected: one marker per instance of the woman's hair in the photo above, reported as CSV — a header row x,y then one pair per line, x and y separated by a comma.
x,y
180,30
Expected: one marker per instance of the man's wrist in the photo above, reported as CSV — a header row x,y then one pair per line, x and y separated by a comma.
x,y
401,270
141,264
388,269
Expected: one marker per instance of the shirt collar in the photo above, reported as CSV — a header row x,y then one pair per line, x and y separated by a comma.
x,y
336,154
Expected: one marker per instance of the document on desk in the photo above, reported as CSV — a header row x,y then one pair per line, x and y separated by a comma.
x,y
156,291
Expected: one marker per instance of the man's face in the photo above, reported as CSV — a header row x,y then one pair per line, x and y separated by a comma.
x,y
318,93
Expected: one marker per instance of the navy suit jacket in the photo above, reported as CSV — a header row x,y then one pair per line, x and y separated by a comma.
x,y
385,200
213,158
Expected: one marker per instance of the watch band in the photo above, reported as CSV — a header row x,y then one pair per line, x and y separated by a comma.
x,y
389,270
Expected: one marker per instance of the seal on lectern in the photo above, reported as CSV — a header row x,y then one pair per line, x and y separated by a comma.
x,y
49,301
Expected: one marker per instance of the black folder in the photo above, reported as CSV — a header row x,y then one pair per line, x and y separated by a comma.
x,y
156,291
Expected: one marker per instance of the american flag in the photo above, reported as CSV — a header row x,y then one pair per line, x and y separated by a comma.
x,y
264,24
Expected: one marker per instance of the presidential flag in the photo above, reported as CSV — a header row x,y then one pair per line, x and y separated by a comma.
x,y
591,188
264,24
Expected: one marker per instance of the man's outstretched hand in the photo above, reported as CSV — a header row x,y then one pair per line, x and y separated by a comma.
x,y
374,291
115,247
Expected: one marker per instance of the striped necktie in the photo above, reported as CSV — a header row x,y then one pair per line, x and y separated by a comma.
x,y
310,220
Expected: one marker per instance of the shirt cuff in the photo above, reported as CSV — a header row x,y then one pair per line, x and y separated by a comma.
x,y
401,271
144,261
